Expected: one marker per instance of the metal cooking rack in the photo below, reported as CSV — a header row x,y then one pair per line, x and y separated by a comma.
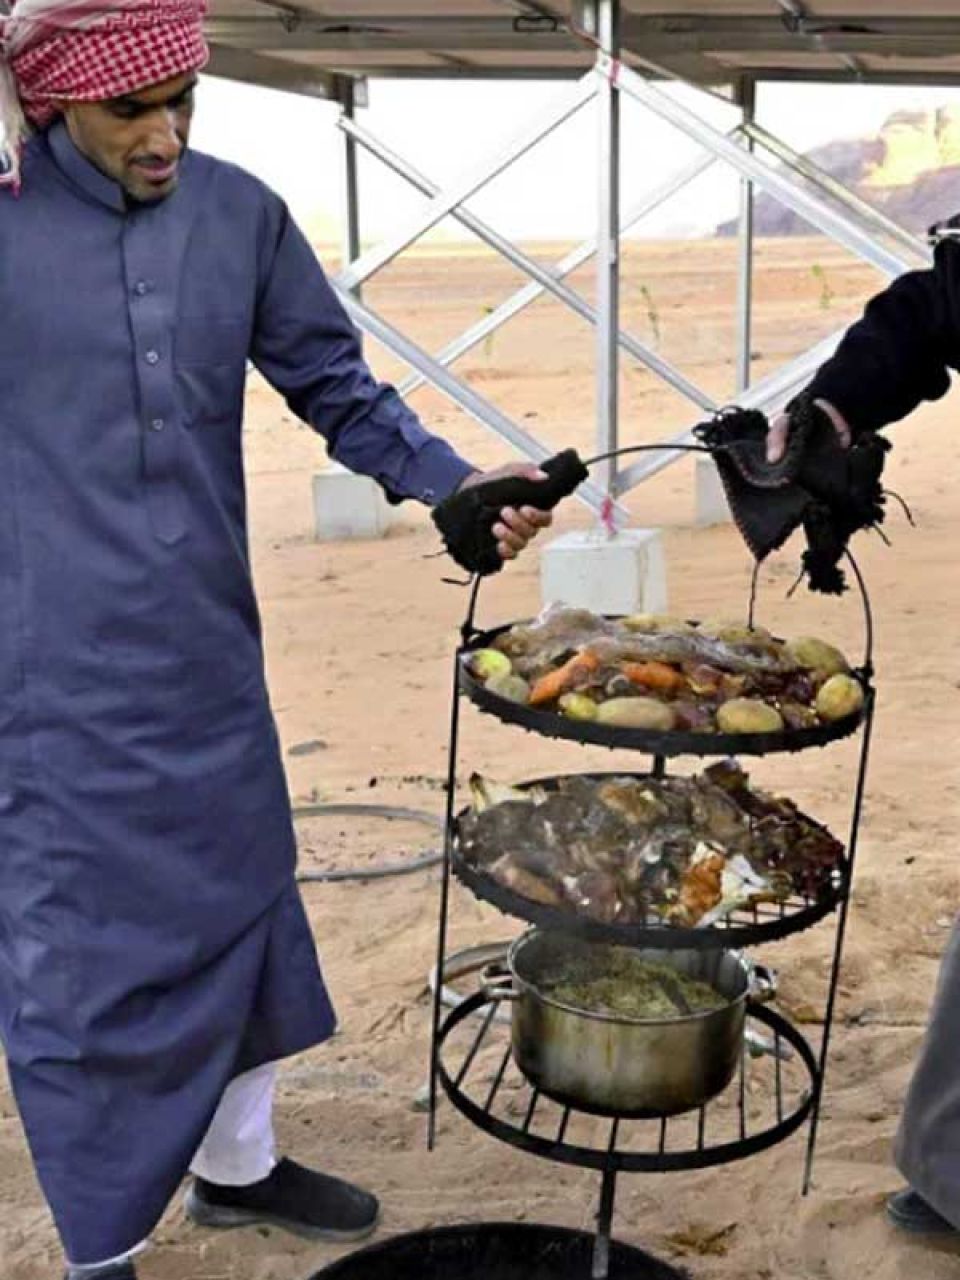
x,y
697,1139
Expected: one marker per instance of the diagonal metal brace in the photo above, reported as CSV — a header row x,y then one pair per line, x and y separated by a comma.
x,y
769,394
549,280
445,202
809,206
482,410
857,206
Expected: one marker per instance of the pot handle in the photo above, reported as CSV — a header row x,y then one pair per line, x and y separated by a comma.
x,y
763,984
496,983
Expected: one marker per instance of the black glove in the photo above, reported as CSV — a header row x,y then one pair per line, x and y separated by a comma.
x,y
830,490
467,517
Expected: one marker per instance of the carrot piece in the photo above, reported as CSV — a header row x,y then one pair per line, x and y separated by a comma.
x,y
555,683
654,675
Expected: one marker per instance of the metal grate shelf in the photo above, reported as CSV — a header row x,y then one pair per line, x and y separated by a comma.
x,y
765,922
677,742
748,926
769,1100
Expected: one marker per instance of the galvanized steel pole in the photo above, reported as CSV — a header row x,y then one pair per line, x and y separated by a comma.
x,y
747,98
351,183
607,30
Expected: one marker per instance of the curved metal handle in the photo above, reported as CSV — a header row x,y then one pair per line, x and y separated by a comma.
x,y
759,1046
469,629
763,984
867,668
496,983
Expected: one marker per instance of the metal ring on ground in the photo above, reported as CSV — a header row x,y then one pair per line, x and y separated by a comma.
x,y
378,871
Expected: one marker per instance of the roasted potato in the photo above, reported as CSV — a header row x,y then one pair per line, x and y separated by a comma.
x,y
817,656
636,713
840,697
509,686
485,663
735,632
656,624
748,715
578,706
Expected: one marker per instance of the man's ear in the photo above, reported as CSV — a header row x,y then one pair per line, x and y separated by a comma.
x,y
65,111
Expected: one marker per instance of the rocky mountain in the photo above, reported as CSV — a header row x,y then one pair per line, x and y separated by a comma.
x,y
911,171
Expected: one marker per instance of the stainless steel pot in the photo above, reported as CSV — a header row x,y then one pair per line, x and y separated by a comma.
x,y
615,1065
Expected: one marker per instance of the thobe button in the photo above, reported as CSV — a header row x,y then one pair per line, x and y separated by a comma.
x,y
152,357
141,288
157,424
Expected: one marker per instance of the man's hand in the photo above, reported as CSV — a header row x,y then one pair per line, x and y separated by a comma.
x,y
516,528
780,430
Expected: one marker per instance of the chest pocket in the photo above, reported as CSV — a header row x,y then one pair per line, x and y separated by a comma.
x,y
210,357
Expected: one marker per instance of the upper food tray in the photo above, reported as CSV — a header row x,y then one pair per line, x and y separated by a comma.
x,y
703,717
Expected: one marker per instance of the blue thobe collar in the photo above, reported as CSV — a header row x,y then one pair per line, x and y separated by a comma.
x,y
82,172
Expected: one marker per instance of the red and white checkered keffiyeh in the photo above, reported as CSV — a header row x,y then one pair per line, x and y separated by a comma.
x,y
89,51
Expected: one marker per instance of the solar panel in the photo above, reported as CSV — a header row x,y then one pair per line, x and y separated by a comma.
x,y
305,46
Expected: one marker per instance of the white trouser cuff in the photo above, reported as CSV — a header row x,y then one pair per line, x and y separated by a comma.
x,y
239,1147
88,1270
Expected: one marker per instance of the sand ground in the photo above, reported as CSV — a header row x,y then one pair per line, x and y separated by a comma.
x,y
359,640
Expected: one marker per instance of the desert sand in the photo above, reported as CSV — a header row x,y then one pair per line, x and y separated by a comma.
x,y
360,638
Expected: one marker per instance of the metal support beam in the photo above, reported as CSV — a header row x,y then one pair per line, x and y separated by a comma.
x,y
351,181
304,32
768,395
747,98
443,204
547,280
813,195
809,206
607,28
830,186
482,410
271,73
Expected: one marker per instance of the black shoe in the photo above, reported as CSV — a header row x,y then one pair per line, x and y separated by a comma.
x,y
120,1271
293,1198
908,1211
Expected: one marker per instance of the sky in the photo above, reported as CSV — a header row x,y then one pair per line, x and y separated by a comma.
x,y
445,128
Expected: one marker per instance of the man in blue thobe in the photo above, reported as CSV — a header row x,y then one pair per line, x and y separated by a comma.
x,y
155,958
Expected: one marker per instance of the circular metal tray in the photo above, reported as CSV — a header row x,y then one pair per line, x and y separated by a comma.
x,y
748,926
767,1102
676,742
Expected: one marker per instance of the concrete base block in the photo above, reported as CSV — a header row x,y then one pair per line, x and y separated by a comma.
x,y
346,505
712,505
623,574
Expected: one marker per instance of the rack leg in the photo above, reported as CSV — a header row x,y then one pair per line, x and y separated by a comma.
x,y
444,903
601,1250
838,950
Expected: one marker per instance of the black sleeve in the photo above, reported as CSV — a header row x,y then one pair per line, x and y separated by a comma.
x,y
901,351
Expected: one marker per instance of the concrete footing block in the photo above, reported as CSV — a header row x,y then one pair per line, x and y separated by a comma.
x,y
712,505
618,575
346,505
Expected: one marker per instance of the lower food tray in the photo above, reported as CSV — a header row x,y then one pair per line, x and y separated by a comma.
x,y
495,1251
745,926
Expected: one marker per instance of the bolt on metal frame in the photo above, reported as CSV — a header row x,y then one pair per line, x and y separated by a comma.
x,y
764,163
